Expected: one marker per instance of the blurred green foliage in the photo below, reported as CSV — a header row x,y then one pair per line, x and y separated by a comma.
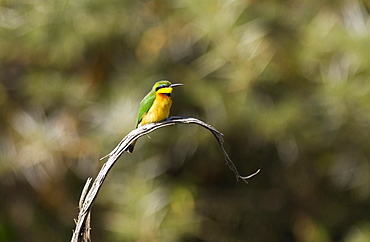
x,y
287,82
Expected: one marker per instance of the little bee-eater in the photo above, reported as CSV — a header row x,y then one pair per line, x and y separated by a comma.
x,y
155,106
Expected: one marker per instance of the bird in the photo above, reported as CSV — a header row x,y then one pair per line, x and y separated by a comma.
x,y
155,106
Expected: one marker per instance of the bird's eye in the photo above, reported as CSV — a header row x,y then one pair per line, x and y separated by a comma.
x,y
161,86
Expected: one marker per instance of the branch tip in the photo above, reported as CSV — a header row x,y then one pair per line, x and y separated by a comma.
x,y
245,178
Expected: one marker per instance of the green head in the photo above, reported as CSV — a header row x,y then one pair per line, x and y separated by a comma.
x,y
164,86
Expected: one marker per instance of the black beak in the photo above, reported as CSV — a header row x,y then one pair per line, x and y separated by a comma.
x,y
176,85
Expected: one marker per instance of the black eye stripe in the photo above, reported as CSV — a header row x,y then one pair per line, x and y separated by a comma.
x,y
161,86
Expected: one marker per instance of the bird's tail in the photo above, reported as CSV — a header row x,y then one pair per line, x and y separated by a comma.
x,y
131,147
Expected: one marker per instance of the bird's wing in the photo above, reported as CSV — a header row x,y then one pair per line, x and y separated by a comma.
x,y
145,105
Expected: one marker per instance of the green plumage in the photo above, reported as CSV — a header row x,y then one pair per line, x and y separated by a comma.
x,y
145,105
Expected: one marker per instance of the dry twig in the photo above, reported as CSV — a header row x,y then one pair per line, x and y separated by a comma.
x,y
82,231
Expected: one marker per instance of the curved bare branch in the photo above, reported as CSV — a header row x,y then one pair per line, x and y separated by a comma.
x,y
87,198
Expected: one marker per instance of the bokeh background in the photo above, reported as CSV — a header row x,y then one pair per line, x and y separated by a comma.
x,y
287,82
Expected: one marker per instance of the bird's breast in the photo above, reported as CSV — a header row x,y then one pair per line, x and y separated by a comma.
x,y
159,111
